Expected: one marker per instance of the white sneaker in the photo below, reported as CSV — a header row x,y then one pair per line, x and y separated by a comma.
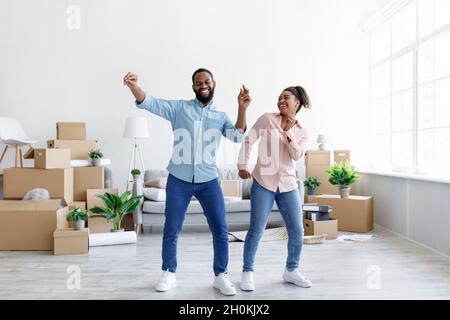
x,y
166,282
225,286
296,278
247,283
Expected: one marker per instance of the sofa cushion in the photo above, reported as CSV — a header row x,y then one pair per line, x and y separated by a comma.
x,y
154,194
160,183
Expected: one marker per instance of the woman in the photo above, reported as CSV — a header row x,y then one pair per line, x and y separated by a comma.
x,y
283,142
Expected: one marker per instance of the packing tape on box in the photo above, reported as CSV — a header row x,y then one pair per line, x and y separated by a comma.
x,y
112,238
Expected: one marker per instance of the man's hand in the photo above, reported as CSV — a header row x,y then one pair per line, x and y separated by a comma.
x,y
244,174
131,81
244,98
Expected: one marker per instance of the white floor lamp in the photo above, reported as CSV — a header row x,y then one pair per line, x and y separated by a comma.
x,y
136,128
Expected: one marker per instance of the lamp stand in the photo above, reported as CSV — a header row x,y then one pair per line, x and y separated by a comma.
x,y
135,152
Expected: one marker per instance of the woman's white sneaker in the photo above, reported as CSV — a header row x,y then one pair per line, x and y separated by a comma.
x,y
296,278
166,282
224,284
247,283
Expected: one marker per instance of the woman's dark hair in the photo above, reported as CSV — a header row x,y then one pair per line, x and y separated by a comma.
x,y
301,96
202,70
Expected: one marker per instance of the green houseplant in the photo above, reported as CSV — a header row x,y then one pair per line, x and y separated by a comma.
x,y
96,155
135,173
116,208
311,184
342,176
79,218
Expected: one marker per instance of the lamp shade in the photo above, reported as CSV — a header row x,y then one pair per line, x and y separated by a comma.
x,y
136,127
321,138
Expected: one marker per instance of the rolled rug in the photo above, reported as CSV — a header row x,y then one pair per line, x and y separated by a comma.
x,y
112,238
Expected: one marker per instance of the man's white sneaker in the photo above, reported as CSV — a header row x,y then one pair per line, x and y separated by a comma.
x,y
166,282
296,278
225,286
247,283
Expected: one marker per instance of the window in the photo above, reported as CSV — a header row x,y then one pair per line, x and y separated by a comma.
x,y
410,89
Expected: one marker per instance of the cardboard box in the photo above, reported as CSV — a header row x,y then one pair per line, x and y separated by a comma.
x,y
87,178
99,224
354,214
231,188
71,241
77,204
58,182
341,156
317,228
320,171
51,158
29,154
29,225
316,157
79,149
91,196
70,131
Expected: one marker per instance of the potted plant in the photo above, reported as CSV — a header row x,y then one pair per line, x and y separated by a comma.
x,y
96,155
79,218
135,173
116,208
342,176
311,184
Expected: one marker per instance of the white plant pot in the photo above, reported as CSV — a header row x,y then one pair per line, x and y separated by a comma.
x,y
345,192
79,224
96,162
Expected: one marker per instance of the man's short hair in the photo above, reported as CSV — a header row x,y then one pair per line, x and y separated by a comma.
x,y
202,70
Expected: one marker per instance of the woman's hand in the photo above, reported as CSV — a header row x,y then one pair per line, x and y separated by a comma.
x,y
244,98
244,174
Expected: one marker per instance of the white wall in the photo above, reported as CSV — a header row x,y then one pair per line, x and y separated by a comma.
x,y
50,73
417,210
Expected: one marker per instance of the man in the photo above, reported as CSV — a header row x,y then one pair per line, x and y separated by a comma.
x,y
198,127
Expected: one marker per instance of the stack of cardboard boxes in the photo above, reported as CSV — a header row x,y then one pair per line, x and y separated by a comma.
x,y
42,225
354,214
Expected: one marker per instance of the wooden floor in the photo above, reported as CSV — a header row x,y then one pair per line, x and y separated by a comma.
x,y
338,271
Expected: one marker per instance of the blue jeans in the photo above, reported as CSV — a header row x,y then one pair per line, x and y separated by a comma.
x,y
289,204
210,196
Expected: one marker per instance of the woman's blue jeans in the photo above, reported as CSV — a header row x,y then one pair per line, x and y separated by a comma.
x,y
290,206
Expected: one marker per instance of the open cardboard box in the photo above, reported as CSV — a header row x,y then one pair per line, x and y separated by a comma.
x,y
51,158
58,182
29,225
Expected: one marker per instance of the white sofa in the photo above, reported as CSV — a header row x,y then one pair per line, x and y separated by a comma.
x,y
238,211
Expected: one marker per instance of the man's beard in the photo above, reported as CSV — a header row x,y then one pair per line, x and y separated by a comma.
x,y
205,100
